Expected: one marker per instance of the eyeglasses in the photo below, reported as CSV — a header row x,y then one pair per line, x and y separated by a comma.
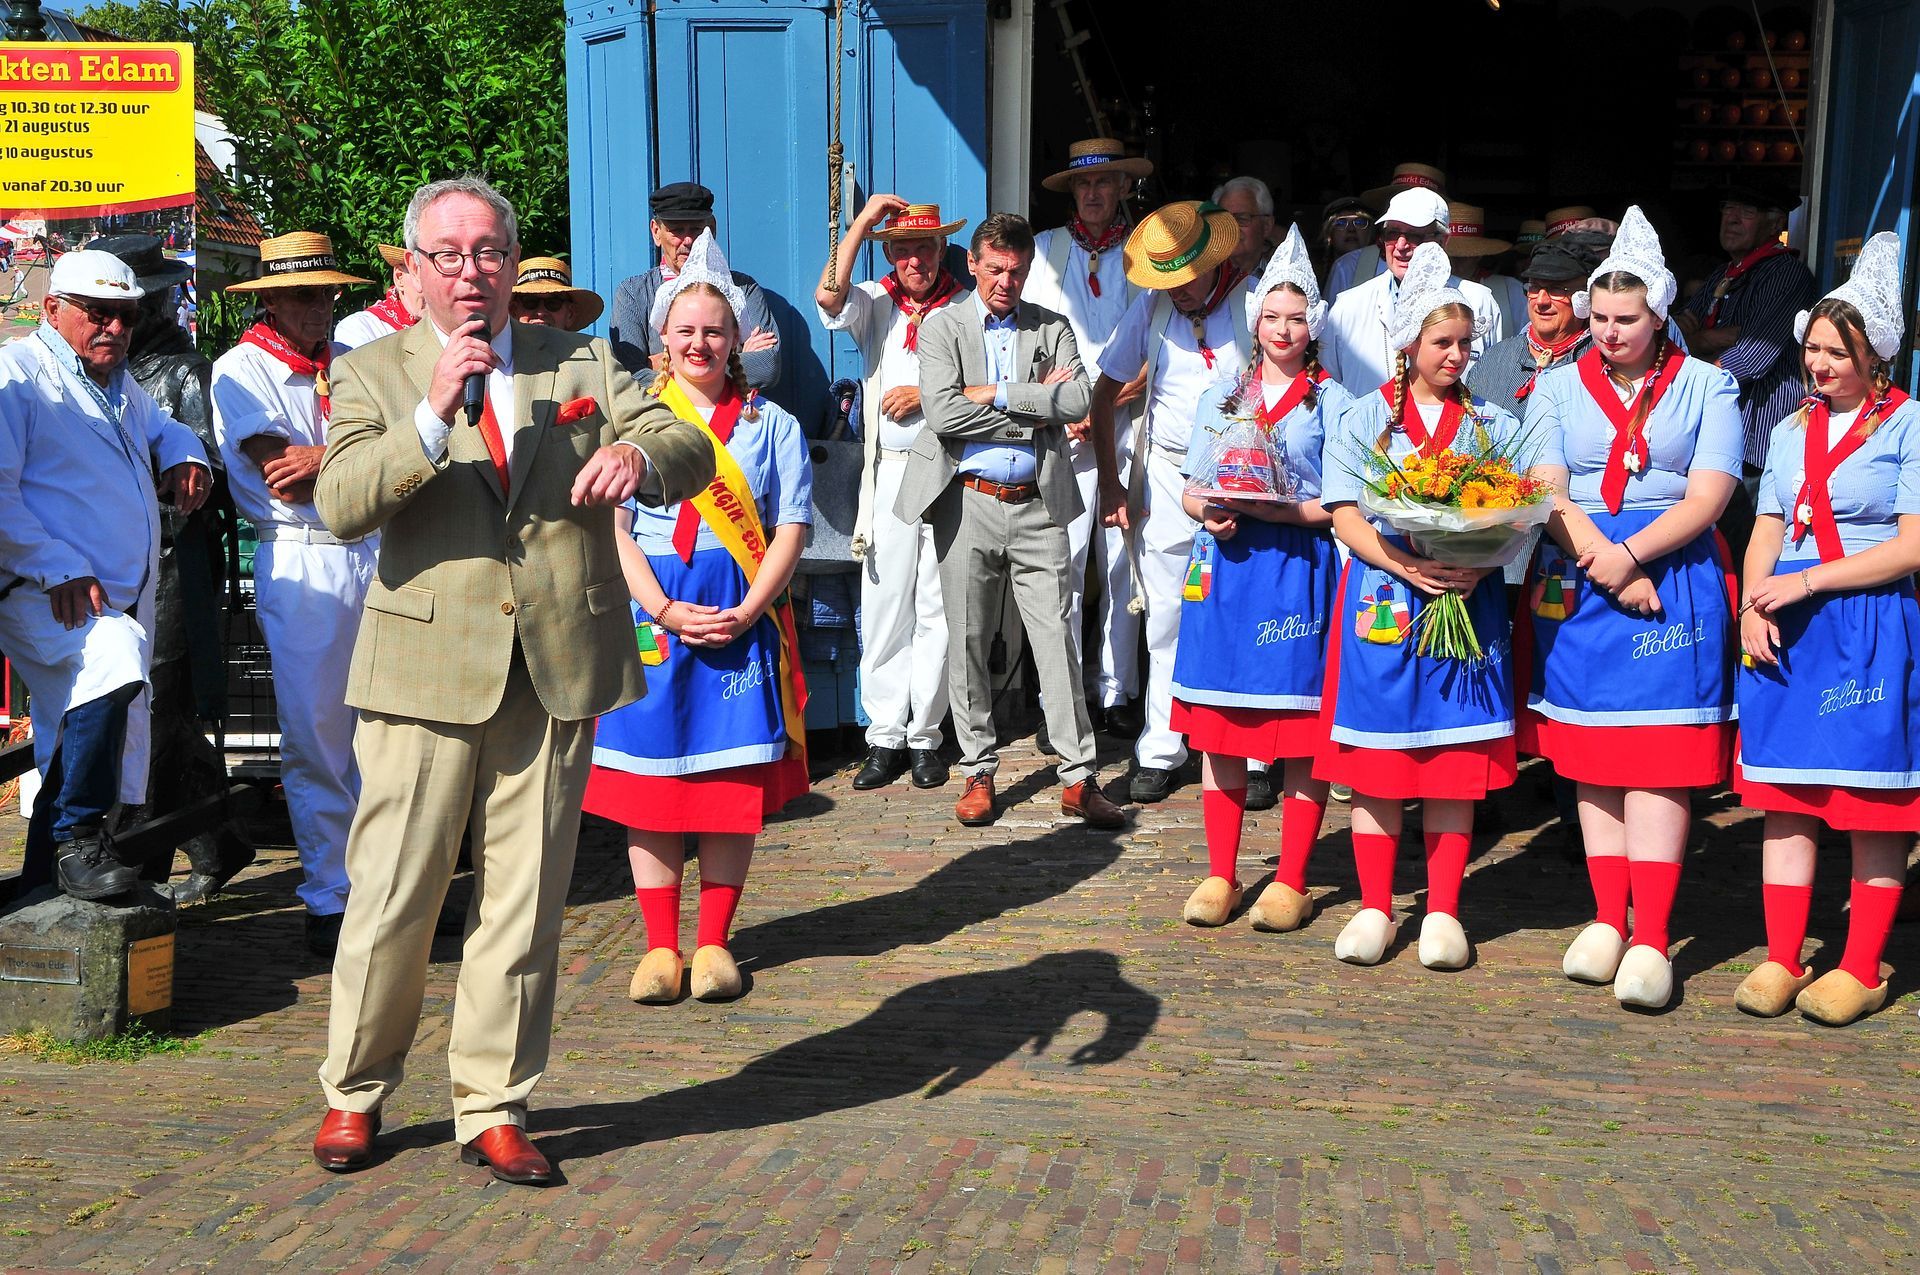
x,y
1391,231
310,293
103,314
551,303
1351,223
449,263
1561,290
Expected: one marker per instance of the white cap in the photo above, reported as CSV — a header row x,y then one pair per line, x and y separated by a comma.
x,y
1426,287
705,264
1636,250
1417,207
96,275
1289,264
1874,290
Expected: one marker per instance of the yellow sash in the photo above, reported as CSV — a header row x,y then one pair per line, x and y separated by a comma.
x,y
727,506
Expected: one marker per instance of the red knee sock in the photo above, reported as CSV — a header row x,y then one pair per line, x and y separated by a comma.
x,y
1299,829
717,903
1608,872
1373,855
660,910
1446,866
1786,907
1654,885
1867,927
1224,813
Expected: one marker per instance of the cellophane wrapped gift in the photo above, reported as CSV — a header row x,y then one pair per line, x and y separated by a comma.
x,y
1240,462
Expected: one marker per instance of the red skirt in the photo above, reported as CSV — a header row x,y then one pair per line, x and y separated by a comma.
x,y
1466,772
1262,734
1694,755
734,800
1841,809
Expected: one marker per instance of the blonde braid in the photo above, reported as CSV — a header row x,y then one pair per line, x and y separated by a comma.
x,y
1312,370
1398,403
737,374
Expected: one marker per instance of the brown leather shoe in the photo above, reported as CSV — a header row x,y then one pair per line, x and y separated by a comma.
x,y
975,806
345,1140
1086,801
505,1150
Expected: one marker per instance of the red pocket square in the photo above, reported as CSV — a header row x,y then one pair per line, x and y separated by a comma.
x,y
578,409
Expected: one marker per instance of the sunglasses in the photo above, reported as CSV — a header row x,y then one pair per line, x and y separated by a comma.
x,y
310,293
103,314
1352,223
1391,232
1557,289
549,303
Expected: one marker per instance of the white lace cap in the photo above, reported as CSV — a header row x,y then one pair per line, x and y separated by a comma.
x,y
705,264
1636,250
1289,264
1423,289
1874,290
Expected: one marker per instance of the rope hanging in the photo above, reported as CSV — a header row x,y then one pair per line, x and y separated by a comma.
x,y
836,154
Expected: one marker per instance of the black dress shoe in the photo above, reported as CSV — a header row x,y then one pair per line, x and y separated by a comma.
x,y
928,770
1260,790
884,765
323,933
1122,721
87,869
1149,784
1044,741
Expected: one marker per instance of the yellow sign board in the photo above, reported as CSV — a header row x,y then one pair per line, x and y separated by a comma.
x,y
95,129
149,975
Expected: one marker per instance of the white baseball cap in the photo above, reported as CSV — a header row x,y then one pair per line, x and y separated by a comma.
x,y
99,276
1418,207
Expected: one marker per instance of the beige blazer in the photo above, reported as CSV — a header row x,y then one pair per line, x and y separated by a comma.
x,y
465,570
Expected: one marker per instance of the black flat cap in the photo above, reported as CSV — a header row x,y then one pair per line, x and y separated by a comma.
x,y
1564,258
682,201
152,268
1762,195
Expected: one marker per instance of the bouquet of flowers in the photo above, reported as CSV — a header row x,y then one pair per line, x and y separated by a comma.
x,y
1241,462
1466,508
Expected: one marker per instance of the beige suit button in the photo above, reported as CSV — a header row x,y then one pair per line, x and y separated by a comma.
x,y
506,608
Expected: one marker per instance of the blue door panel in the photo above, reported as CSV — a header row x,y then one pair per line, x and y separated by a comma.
x,y
610,130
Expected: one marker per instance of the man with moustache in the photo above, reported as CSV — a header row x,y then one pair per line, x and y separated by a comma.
x,y
1555,270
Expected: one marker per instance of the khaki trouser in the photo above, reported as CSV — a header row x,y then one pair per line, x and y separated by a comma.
x,y
516,780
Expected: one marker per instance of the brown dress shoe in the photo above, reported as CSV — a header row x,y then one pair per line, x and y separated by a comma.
x,y
505,1149
345,1140
975,806
1086,801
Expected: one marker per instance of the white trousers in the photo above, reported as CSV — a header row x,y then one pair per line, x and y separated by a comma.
x,y
903,624
1119,656
1164,541
310,598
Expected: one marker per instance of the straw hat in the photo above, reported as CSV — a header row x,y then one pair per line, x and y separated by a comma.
x,y
295,261
1406,177
1561,220
1098,155
1532,231
540,275
396,258
1179,243
1468,234
916,221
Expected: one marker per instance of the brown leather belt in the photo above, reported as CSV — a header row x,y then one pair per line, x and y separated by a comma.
x,y
1014,494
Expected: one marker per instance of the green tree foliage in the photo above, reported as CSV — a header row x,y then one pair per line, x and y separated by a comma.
x,y
340,108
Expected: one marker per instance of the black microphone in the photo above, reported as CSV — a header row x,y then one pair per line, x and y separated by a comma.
x,y
474,395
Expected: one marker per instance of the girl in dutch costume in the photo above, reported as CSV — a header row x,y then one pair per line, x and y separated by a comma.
x,y
719,742
1406,725
1830,690
1627,630
1251,662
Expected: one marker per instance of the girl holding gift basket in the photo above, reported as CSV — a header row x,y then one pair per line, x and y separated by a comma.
x,y
1248,671
1829,691
1630,690
1418,677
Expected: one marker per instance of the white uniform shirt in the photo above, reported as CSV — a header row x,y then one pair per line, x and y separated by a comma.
x,y
255,394
1354,348
898,365
361,327
1183,372
1094,319
1344,272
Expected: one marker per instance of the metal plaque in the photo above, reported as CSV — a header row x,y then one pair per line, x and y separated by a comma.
x,y
19,964
149,975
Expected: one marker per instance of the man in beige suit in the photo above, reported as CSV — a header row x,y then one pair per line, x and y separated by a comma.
x,y
1000,381
495,631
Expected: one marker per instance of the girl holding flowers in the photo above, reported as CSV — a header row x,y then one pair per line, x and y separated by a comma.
x,y
719,742
1829,692
1406,724
1249,668
1630,693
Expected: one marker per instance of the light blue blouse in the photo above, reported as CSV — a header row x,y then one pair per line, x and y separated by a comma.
x,y
1696,425
1358,430
1869,490
1303,433
772,453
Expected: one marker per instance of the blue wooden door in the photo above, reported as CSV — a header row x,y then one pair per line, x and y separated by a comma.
x,y
610,130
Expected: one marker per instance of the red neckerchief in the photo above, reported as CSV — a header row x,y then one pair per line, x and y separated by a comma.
x,y
1229,276
945,288
1734,271
1452,412
1629,452
269,339
1544,357
1294,395
390,312
1813,503
686,525
1111,238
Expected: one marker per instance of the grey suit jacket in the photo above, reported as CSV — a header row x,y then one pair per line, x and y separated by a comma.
x,y
953,355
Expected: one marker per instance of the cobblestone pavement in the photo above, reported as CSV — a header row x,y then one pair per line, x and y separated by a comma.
x,y
999,1049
